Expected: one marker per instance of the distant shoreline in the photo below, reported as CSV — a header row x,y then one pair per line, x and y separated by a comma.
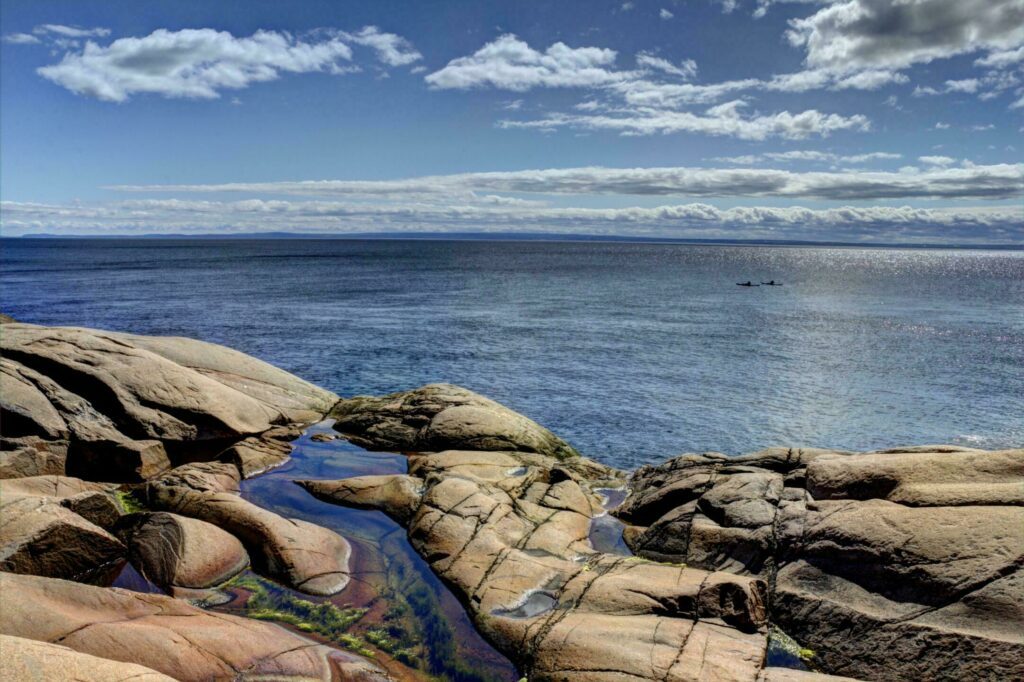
x,y
512,237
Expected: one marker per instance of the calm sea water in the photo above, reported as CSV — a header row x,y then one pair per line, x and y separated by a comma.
x,y
633,352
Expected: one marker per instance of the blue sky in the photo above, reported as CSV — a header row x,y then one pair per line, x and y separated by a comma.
x,y
861,120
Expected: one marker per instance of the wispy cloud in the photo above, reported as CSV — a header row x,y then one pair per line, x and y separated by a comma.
x,y
809,155
724,119
21,39
686,69
393,50
71,31
1002,181
687,220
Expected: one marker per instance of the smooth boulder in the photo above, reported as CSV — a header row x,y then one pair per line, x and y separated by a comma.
x,y
175,552
442,417
300,554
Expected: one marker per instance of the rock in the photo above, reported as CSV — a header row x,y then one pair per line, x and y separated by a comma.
x,y
509,533
257,454
56,487
175,551
299,554
442,417
295,400
895,565
127,461
397,496
32,456
24,409
217,477
947,478
39,536
322,437
128,407
27,659
95,506
166,635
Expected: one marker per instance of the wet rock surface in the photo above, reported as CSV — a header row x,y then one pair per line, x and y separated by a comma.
x,y
896,565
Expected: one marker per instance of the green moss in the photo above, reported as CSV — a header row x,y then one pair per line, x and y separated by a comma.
x,y
781,643
128,502
270,602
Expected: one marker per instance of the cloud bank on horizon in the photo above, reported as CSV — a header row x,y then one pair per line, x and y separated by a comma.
x,y
864,88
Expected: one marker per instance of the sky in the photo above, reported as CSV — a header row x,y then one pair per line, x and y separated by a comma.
x,y
823,120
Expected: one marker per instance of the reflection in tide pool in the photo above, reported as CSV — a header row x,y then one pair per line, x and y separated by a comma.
x,y
412,625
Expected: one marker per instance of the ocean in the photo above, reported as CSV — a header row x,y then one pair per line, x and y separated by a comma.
x,y
632,352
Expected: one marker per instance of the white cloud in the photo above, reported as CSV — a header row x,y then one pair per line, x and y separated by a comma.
x,y
687,69
393,50
21,39
966,85
808,155
724,119
1000,181
199,63
869,80
873,223
71,31
941,126
937,160
665,15
626,6
1001,58
983,127
511,64
865,34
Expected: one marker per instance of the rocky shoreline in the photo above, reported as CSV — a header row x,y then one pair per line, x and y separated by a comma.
x,y
896,565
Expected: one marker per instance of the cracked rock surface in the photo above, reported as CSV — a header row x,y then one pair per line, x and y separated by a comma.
x,y
895,565
509,532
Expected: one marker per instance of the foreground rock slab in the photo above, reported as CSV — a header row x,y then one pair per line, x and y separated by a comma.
x,y
165,634
111,406
442,417
27,659
895,565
